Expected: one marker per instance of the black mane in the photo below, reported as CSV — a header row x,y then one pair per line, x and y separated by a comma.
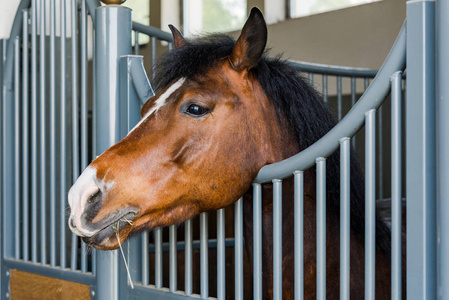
x,y
293,99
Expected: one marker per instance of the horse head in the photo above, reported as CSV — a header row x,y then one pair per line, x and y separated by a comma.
x,y
200,143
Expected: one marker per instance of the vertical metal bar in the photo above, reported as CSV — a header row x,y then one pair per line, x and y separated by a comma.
x,y
238,237
370,203
144,259
366,83
310,75
345,215
63,138
43,139
257,243
396,186
83,96
277,239
380,191
153,57
339,97
52,149
25,137
221,255
75,135
421,148
299,231
173,262
107,98
325,88
321,227
442,176
17,148
188,257
353,98
204,260
34,131
158,257
136,43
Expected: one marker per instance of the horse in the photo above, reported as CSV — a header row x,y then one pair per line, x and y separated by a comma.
x,y
221,112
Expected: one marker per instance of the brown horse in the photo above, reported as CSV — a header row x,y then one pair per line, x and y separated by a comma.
x,y
222,111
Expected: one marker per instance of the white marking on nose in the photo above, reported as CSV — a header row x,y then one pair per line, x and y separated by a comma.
x,y
79,193
161,101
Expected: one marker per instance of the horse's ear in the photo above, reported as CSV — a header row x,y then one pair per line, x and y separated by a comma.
x,y
251,43
178,39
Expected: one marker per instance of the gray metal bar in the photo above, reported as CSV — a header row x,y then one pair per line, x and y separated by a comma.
x,y
181,245
421,149
34,131
380,155
238,260
204,260
17,148
353,99
299,233
152,32
188,257
332,70
158,257
173,262
75,135
442,176
339,97
238,249
63,138
277,239
257,241
108,49
396,186
52,128
136,43
310,76
153,57
325,88
144,259
345,214
321,227
83,99
221,255
140,80
348,126
370,204
43,135
366,83
25,137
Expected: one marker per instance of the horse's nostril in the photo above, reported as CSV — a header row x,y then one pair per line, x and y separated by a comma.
x,y
93,205
72,223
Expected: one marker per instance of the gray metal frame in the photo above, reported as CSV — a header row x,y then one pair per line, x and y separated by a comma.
x,y
422,45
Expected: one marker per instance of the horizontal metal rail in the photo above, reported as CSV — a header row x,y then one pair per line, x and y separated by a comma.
x,y
333,70
349,125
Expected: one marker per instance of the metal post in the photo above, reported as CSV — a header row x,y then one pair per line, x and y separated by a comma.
x,y
112,40
442,77
420,156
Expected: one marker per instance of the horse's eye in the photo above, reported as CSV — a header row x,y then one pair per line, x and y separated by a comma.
x,y
197,110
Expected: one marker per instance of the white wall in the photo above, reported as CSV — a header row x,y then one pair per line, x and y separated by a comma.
x,y
7,14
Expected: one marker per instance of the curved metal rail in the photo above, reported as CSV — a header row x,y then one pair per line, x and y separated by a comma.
x,y
349,125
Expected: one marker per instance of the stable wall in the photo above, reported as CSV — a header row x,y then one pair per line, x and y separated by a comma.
x,y
359,36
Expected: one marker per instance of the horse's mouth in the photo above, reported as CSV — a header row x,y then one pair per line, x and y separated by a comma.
x,y
113,235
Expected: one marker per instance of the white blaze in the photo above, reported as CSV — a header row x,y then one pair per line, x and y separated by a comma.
x,y
161,101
